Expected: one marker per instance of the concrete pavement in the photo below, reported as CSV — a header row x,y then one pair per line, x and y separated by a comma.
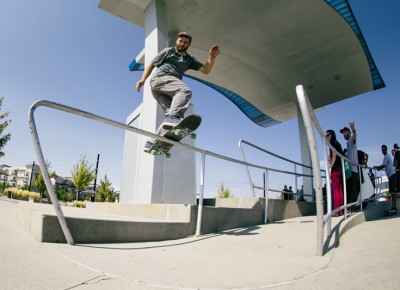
x,y
279,255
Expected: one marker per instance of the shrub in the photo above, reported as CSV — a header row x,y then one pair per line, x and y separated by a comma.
x,y
34,195
79,203
13,190
25,194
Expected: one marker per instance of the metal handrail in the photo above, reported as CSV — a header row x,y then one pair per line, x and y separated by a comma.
x,y
309,119
68,109
252,186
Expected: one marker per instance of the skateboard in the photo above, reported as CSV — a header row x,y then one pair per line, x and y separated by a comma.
x,y
390,212
185,128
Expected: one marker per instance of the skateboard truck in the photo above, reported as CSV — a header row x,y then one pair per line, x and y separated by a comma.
x,y
186,127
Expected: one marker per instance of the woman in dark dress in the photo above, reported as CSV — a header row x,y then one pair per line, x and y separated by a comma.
x,y
336,171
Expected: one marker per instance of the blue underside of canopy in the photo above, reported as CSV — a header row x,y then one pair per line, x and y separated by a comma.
x,y
343,8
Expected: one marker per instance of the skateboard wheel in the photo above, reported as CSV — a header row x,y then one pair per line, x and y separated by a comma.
x,y
178,132
153,152
167,155
193,135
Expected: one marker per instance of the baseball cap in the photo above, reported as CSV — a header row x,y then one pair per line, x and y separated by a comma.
x,y
395,146
185,34
344,129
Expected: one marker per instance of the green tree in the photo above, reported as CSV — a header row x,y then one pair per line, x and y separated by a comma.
x,y
82,174
224,192
4,186
3,124
39,184
62,194
106,189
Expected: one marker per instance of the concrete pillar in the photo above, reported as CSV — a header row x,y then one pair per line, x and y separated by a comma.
x,y
150,169
147,178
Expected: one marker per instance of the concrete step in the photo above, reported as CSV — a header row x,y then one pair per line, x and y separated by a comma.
x,y
122,223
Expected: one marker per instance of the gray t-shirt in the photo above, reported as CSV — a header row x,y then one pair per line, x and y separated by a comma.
x,y
170,62
352,153
387,161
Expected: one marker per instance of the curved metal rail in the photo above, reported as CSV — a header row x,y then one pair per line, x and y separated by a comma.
x,y
68,109
295,163
309,120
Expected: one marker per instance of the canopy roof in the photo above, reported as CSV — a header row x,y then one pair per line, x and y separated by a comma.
x,y
268,47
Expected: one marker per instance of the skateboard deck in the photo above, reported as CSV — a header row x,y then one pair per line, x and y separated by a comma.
x,y
185,128
390,212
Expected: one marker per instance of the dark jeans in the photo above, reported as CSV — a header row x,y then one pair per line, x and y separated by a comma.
x,y
392,183
352,187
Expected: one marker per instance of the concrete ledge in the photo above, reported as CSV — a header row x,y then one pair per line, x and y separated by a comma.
x,y
371,212
111,231
89,227
172,212
118,223
286,209
248,202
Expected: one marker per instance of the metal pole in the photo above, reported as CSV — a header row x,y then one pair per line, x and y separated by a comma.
x,y
360,178
266,196
247,170
303,102
30,180
200,206
46,178
328,189
264,182
344,189
295,196
97,167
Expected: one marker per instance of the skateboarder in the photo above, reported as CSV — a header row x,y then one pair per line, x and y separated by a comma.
x,y
166,84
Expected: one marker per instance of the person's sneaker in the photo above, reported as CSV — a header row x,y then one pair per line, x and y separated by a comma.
x,y
147,146
171,120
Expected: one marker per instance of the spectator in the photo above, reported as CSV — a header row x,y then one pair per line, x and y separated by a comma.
x,y
301,192
336,171
394,155
397,166
352,183
285,193
291,195
372,176
53,181
387,164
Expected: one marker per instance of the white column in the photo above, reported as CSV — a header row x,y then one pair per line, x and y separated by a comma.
x,y
150,169
160,180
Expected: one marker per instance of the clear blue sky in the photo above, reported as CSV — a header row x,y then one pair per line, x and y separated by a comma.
x,y
76,54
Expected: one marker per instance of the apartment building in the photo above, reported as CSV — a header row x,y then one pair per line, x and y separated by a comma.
x,y
19,176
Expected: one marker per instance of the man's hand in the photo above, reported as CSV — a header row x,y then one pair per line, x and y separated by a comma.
x,y
146,73
139,84
352,127
214,51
